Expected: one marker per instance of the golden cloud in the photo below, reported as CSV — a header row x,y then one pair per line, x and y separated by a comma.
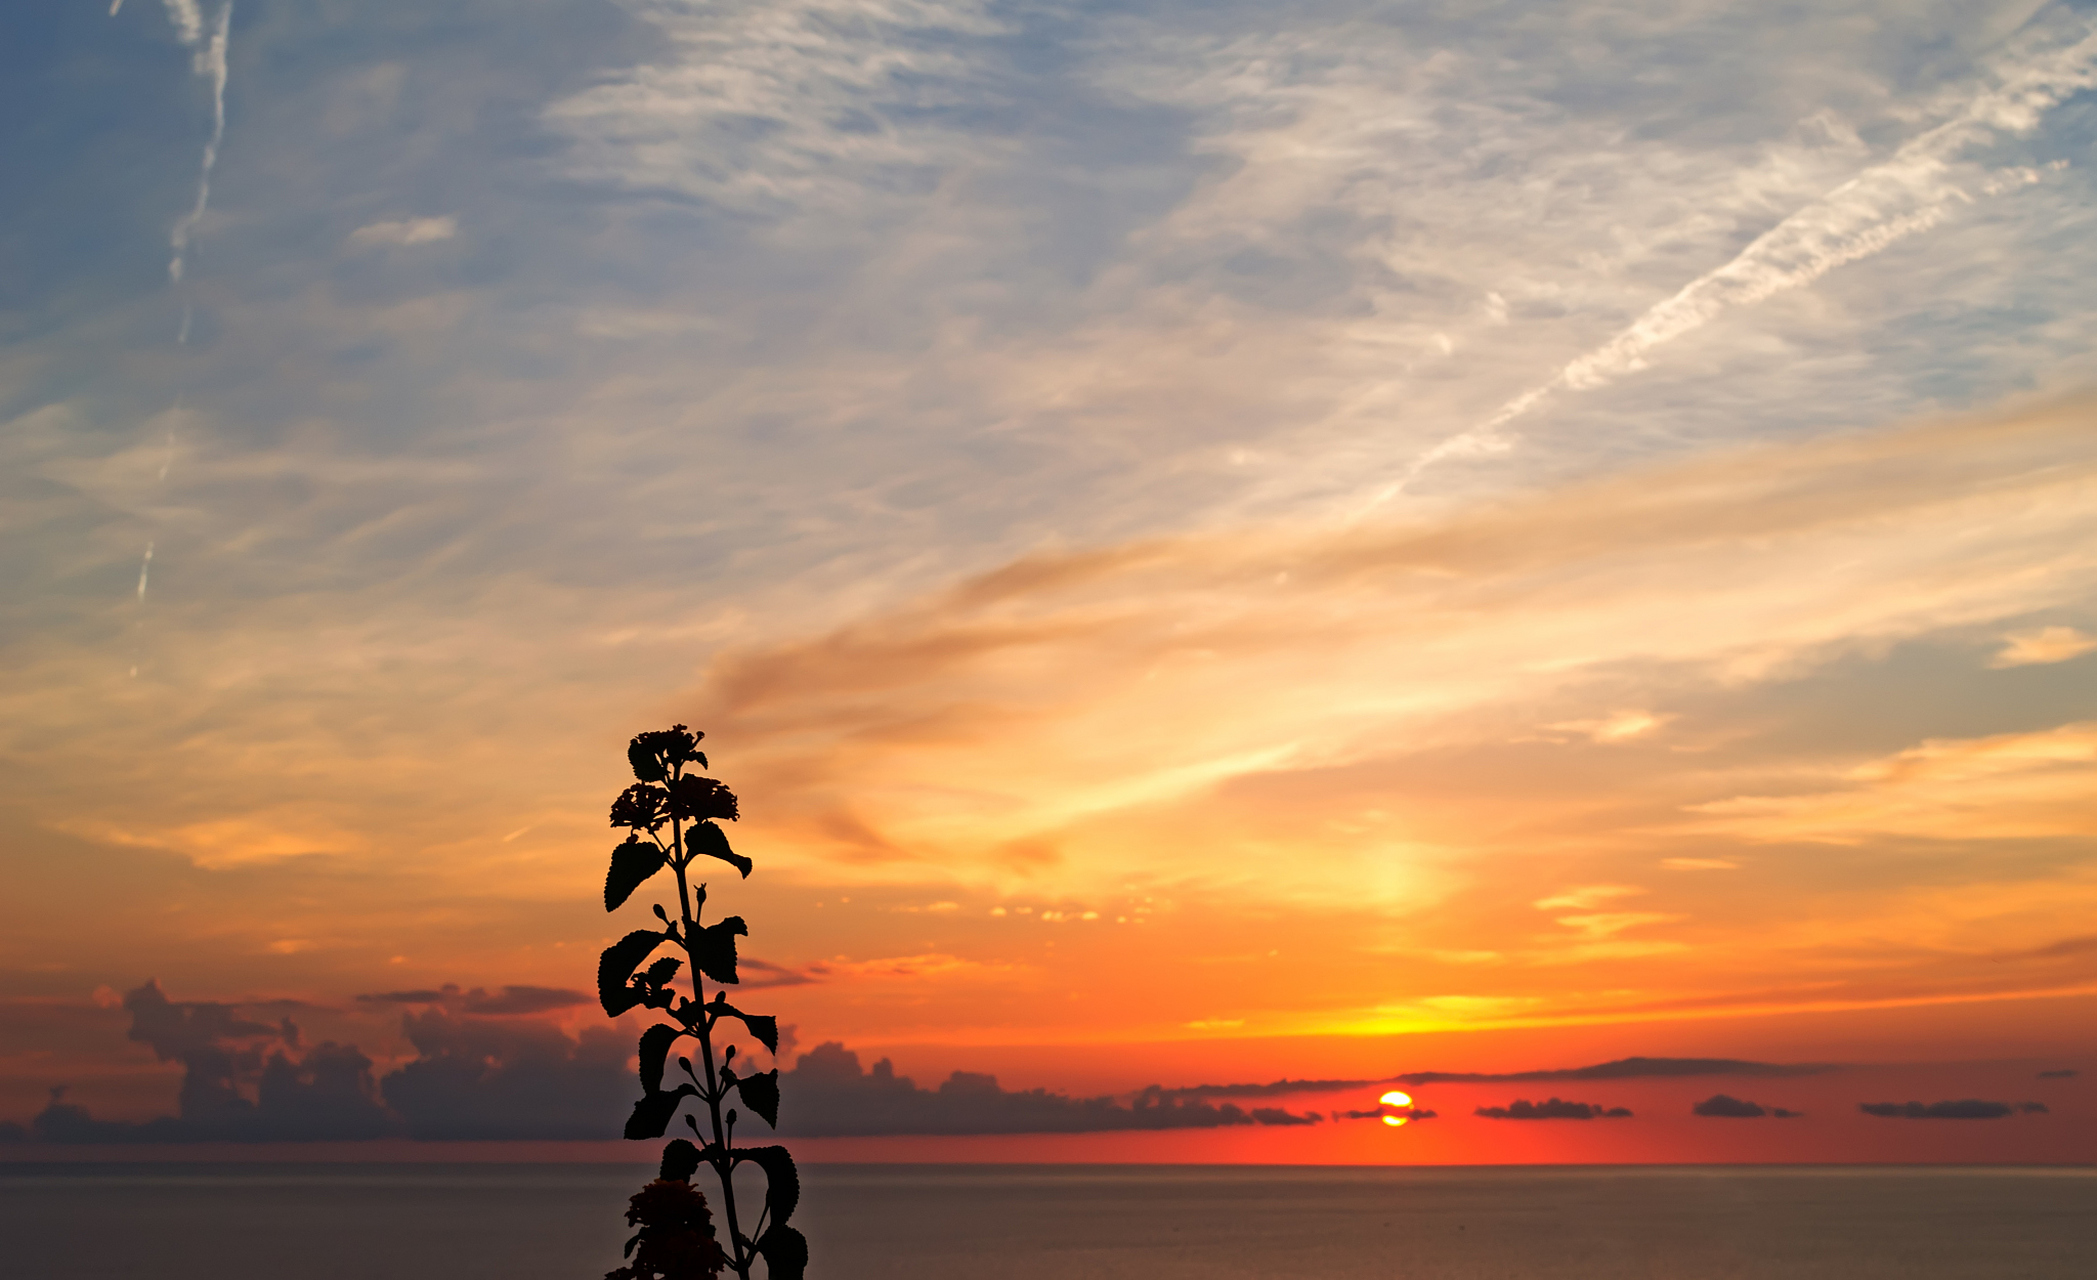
x,y
2042,646
1077,698
2008,786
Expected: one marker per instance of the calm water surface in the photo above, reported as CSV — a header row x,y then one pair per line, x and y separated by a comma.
x,y
540,1222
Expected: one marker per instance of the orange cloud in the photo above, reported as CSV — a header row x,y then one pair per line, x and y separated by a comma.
x,y
1317,727
1066,692
1302,779
2008,786
2045,645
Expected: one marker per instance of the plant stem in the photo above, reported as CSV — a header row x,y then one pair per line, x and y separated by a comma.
x,y
723,1164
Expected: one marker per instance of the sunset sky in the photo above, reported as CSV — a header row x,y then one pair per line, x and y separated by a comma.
x,y
1214,542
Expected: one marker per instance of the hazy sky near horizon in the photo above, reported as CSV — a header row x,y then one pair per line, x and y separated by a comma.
x,y
1332,527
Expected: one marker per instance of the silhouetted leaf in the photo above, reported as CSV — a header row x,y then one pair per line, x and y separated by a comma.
x,y
617,964
762,1025
655,1052
660,973
680,1161
647,765
651,1115
766,1028
785,1252
632,863
713,948
628,1252
761,1091
709,840
700,798
782,1180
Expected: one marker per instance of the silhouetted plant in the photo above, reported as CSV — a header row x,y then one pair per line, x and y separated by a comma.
x,y
676,1229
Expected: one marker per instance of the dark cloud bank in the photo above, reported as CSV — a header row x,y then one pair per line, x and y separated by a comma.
x,y
475,1076
510,1000
1963,1109
1722,1107
828,1094
1552,1109
1627,1069
324,1091
484,1070
1619,1069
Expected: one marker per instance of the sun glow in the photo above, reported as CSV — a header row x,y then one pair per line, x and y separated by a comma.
x,y
1397,1108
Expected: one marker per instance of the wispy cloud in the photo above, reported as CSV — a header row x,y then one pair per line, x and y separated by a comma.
x,y
208,59
1586,896
1143,674
2042,646
1622,726
1912,191
405,232
781,107
2017,785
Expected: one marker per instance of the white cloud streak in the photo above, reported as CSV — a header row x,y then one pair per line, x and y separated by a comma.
x,y
207,59
188,20
208,47
1910,192
780,106
405,232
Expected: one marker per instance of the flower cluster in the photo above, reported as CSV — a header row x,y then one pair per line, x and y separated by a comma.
x,y
676,1237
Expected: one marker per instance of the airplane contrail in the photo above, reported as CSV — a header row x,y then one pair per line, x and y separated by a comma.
x,y
1911,191
208,45
208,59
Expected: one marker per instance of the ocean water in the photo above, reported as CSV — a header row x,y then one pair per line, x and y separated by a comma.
x,y
950,1222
